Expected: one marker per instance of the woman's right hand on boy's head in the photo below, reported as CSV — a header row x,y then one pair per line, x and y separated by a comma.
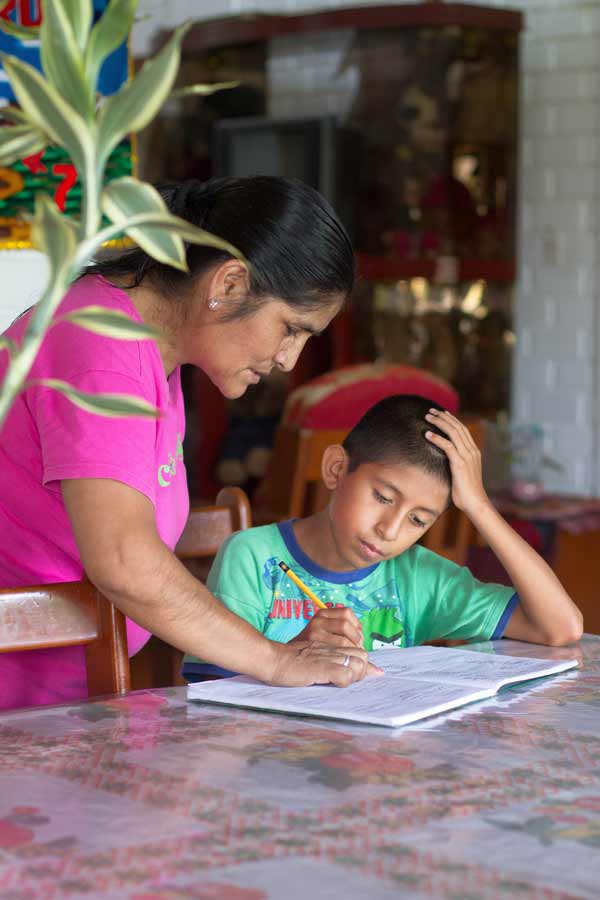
x,y
336,626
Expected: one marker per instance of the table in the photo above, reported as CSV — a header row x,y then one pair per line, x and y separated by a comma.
x,y
566,531
146,797
573,514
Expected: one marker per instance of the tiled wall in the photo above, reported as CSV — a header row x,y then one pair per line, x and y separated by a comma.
x,y
557,364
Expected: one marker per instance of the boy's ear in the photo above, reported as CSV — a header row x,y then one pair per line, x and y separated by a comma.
x,y
334,466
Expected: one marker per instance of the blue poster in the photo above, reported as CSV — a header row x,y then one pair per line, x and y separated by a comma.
x,y
28,13
50,170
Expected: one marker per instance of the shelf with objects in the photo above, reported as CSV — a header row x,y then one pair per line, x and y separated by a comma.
x,y
405,116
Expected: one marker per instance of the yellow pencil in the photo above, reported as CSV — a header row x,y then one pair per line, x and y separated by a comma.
x,y
305,590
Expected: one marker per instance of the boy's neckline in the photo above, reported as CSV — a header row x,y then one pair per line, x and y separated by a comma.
x,y
286,529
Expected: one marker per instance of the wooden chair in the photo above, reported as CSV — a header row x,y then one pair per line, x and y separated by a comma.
x,y
59,615
208,526
296,488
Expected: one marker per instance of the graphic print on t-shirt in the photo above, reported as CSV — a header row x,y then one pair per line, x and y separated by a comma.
x,y
167,471
377,610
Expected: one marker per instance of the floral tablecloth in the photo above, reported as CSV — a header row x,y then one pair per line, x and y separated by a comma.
x,y
148,797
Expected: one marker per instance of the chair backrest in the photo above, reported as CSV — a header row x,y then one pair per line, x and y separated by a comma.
x,y
59,615
295,477
208,526
454,532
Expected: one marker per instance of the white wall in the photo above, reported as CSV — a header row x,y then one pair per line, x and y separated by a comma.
x,y
23,274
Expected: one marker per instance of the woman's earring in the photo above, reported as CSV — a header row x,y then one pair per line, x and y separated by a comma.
x,y
213,303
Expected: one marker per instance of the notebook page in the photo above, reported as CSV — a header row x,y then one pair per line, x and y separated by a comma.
x,y
381,701
465,667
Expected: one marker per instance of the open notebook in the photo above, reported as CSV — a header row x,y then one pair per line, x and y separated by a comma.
x,y
418,682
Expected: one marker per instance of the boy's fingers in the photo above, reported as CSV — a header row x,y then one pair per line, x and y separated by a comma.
x,y
341,620
458,430
444,443
455,430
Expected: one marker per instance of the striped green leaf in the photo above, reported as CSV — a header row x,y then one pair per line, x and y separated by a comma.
x,y
139,100
62,57
46,109
127,197
204,90
111,405
55,235
108,33
31,33
111,323
7,344
79,14
18,141
14,114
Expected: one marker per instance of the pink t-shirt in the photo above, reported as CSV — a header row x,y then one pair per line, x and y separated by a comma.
x,y
46,439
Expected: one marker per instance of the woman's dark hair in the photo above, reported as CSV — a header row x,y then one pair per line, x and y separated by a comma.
x,y
393,431
297,248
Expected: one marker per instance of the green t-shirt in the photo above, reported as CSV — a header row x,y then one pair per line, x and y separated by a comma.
x,y
401,602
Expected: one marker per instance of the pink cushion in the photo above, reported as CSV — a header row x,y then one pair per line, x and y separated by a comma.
x,y
339,398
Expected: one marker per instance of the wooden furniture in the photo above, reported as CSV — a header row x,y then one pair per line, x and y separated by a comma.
x,y
296,487
158,664
572,528
208,526
58,615
150,796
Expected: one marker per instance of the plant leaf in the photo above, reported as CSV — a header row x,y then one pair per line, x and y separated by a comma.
x,y
46,109
139,100
151,227
79,13
7,344
204,90
108,33
62,58
14,114
18,141
112,323
127,197
30,33
110,405
55,235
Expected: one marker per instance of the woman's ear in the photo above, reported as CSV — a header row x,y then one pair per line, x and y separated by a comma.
x,y
334,466
229,281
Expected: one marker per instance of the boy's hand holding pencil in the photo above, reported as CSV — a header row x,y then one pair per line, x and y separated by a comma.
x,y
337,626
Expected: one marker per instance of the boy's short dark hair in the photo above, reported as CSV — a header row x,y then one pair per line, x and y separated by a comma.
x,y
393,431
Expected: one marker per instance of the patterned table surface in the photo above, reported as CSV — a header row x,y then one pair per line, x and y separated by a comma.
x,y
148,797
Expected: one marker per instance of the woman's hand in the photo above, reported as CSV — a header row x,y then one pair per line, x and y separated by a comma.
x,y
300,664
335,626
468,492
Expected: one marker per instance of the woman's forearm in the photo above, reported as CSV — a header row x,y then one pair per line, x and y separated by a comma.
x,y
156,590
123,555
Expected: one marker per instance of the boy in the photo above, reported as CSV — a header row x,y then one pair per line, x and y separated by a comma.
x,y
394,475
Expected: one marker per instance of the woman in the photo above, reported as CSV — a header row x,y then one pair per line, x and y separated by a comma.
x,y
108,497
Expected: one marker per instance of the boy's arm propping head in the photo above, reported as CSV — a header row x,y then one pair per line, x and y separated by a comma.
x,y
545,614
